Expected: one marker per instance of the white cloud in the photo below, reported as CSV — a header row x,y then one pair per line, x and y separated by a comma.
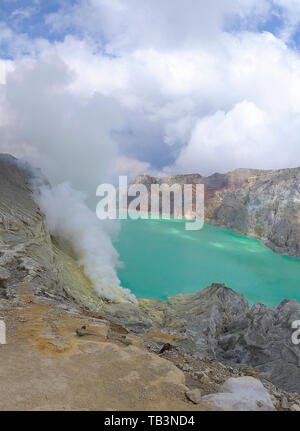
x,y
224,140
130,167
290,14
68,135
23,13
5,67
184,87
130,24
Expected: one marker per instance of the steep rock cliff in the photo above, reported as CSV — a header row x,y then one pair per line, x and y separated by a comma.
x,y
28,253
257,203
266,207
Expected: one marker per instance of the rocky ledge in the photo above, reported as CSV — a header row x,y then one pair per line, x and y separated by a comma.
x,y
219,324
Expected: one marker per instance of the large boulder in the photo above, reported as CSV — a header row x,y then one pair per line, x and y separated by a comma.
x,y
241,394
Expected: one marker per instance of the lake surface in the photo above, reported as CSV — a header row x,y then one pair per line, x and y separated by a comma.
x,y
163,259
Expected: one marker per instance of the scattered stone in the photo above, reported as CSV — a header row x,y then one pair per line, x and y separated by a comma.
x,y
222,365
295,408
250,372
81,332
194,395
110,335
118,337
166,347
275,401
217,379
204,378
277,394
284,403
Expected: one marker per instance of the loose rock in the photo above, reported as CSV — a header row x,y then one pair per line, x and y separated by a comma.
x,y
194,395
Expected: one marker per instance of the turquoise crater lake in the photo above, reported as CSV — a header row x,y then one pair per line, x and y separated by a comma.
x,y
160,259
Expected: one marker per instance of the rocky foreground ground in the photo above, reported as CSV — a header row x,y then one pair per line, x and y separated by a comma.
x,y
45,365
58,357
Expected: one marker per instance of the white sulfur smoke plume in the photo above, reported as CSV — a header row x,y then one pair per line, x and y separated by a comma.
x,y
70,218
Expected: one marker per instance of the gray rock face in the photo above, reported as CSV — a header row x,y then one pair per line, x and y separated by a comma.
x,y
257,203
218,323
215,186
266,207
262,340
25,244
29,257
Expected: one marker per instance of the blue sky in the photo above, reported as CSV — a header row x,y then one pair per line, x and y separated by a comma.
x,y
30,17
156,87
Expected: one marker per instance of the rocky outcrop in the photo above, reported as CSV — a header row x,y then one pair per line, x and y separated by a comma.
x,y
215,186
218,323
25,244
28,253
266,207
261,204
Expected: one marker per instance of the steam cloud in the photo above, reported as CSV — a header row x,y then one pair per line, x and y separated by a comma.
x,y
68,136
70,218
